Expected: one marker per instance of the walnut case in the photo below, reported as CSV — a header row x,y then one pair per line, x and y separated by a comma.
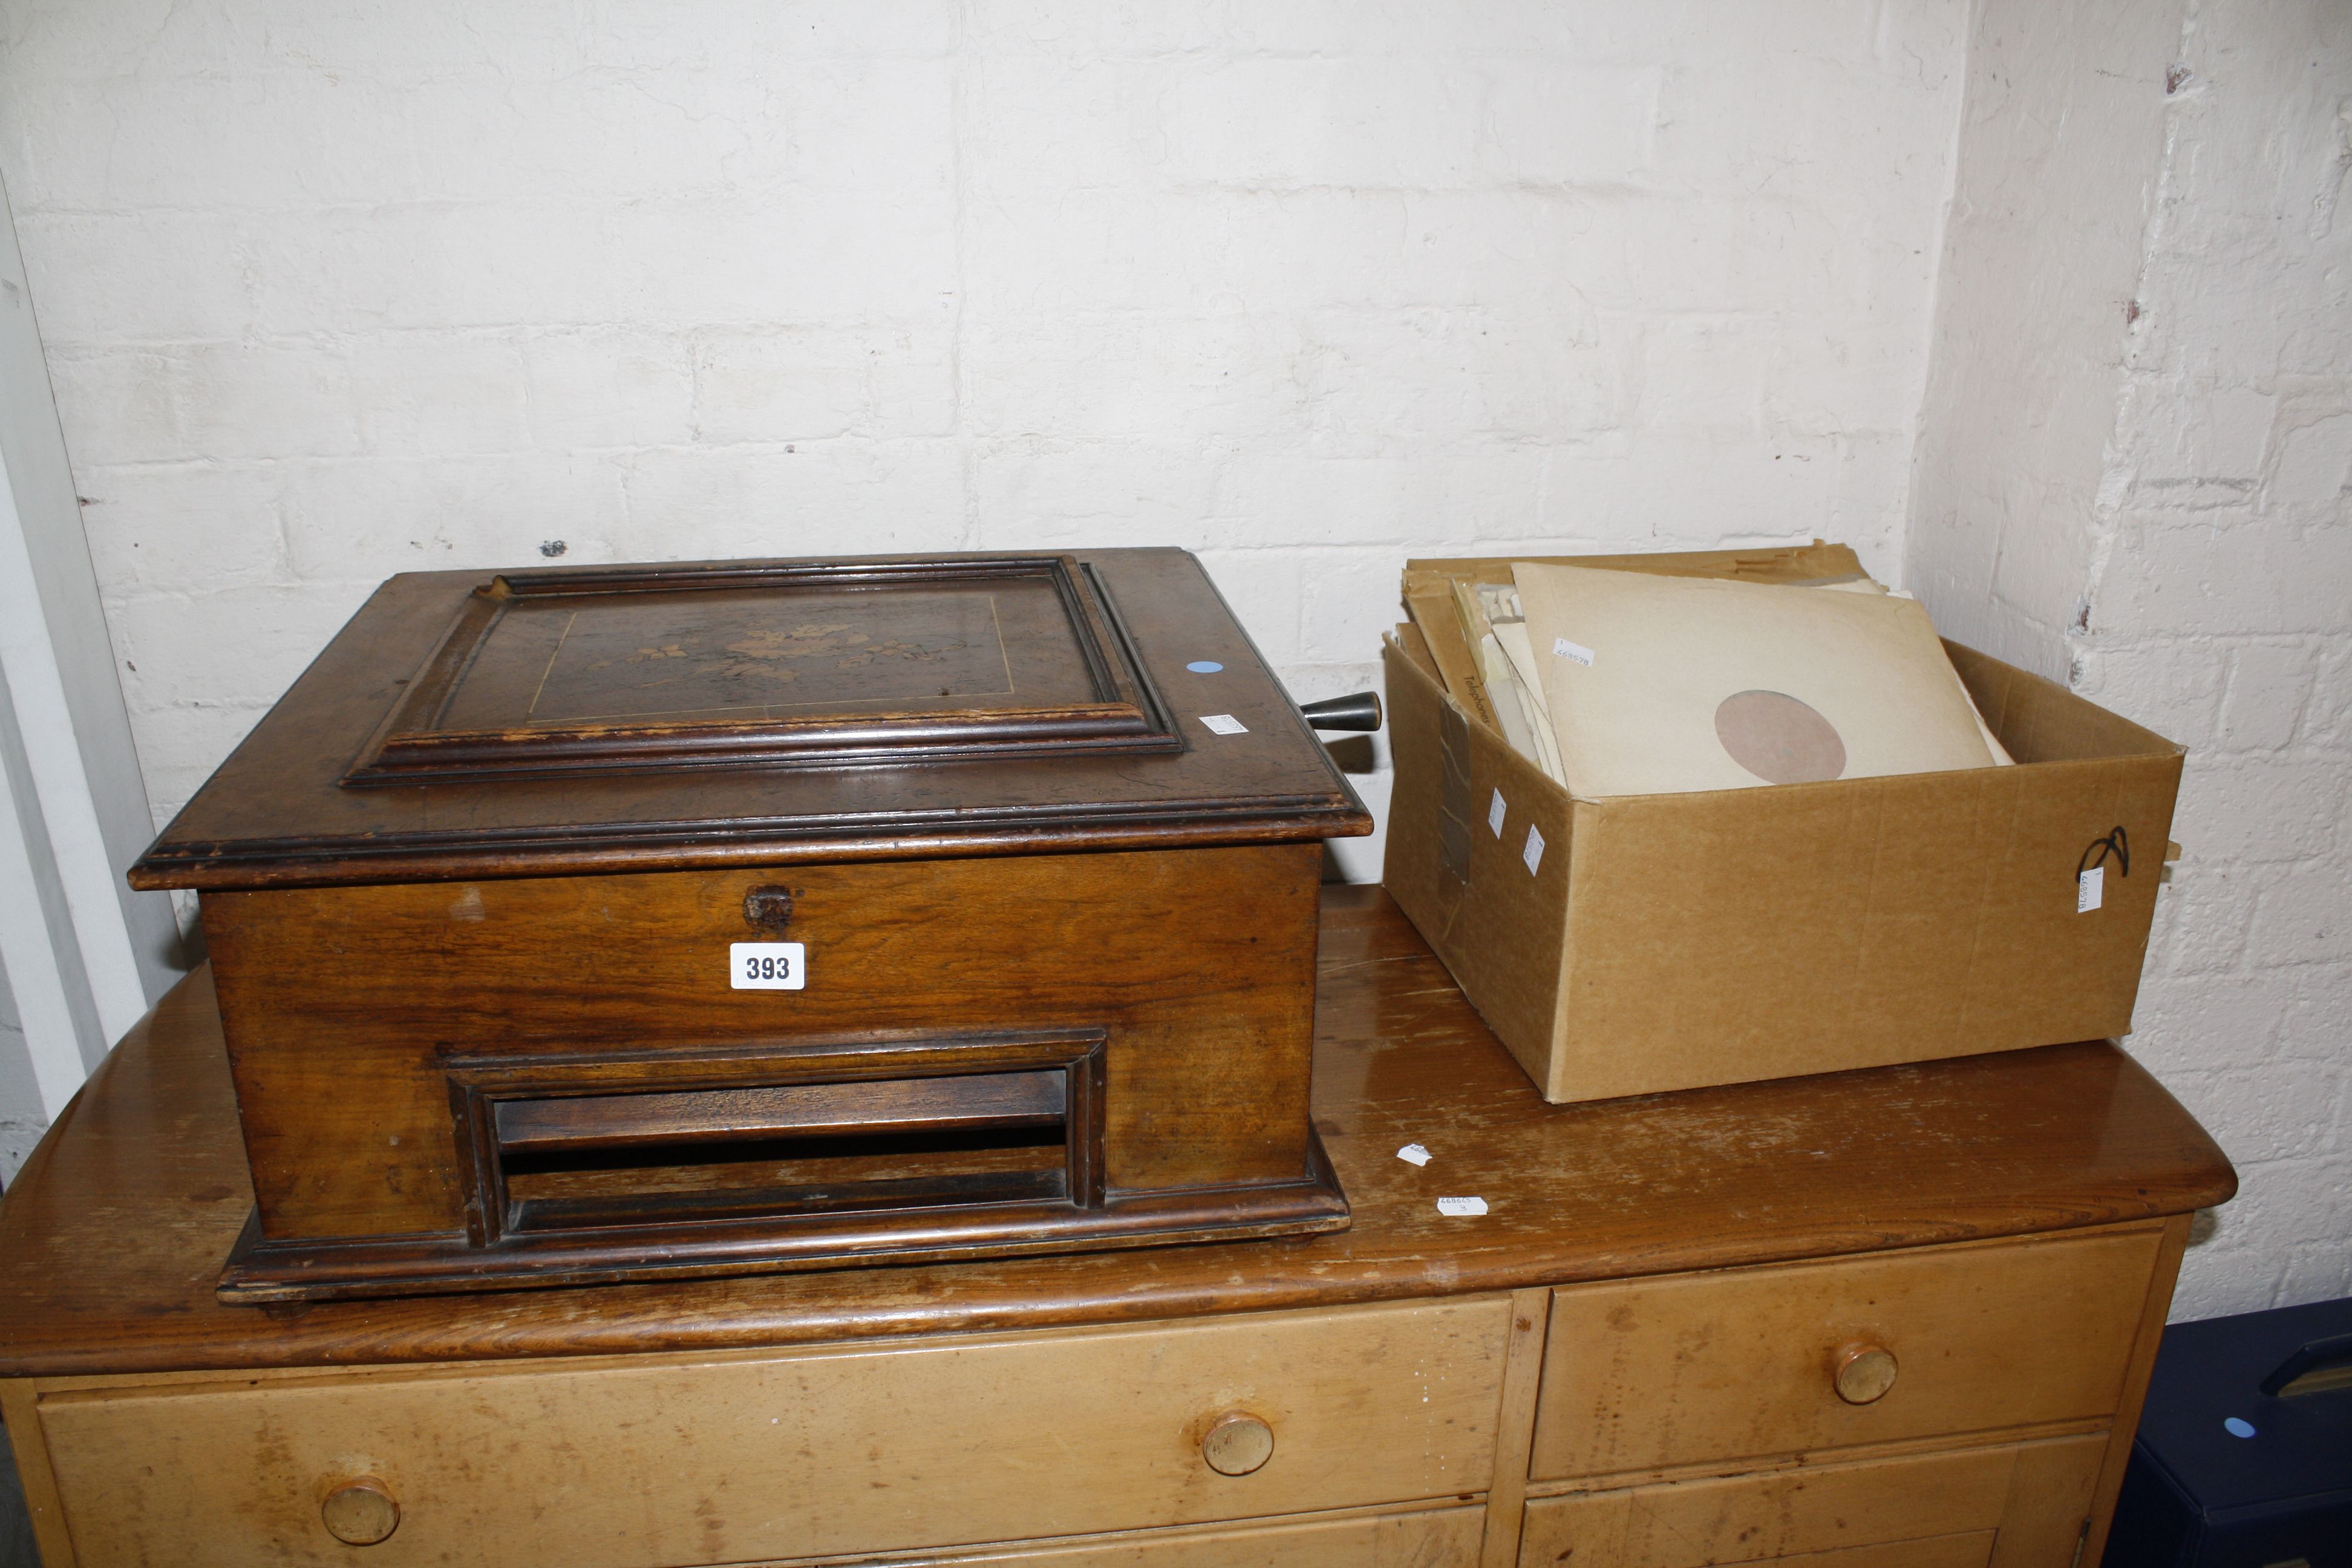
x,y
474,890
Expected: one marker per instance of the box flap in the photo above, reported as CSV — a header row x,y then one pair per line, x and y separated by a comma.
x,y
1430,601
2039,721
1415,648
1793,564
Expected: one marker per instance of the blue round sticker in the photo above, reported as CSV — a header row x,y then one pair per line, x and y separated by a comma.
x,y
1204,667
2237,1429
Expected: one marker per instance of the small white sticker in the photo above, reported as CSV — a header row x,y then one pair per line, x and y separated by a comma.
x,y
1413,1154
1225,724
1461,1206
1495,815
767,965
1533,853
1574,652
2089,888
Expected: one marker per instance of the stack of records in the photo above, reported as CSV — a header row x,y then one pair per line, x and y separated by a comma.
x,y
1623,682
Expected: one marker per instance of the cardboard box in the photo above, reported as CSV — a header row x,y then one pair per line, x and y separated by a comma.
x,y
1648,943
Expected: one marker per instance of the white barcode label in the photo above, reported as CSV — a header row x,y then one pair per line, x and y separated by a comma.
x,y
2089,888
1413,1154
1574,652
1533,853
1495,815
1461,1206
1225,724
767,965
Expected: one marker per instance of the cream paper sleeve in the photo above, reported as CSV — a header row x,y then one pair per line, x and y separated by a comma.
x,y
1984,731
1699,684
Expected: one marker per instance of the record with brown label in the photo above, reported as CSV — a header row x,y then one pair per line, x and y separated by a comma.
x,y
1662,685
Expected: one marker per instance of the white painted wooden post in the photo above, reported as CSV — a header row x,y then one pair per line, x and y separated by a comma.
x,y
84,955
54,1003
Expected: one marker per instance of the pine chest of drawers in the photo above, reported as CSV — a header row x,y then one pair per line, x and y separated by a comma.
x,y
1896,1319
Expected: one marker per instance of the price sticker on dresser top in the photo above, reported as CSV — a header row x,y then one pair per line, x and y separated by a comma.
x,y
767,965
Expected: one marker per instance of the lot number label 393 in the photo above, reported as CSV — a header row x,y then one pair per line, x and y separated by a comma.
x,y
766,966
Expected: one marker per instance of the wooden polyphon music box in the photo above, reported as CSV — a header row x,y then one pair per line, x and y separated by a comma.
x,y
576,925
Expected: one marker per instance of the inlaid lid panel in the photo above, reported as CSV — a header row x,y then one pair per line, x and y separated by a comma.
x,y
550,721
599,671
746,655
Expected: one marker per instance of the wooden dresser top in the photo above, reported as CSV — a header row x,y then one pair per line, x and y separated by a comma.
x,y
115,1232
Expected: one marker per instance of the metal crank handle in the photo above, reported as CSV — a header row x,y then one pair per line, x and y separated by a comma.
x,y
1357,710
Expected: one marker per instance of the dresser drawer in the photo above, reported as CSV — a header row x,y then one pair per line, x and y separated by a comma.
x,y
1702,1367
949,1443
1930,1510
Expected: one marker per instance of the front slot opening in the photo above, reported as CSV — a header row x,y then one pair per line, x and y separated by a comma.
x,y
597,1161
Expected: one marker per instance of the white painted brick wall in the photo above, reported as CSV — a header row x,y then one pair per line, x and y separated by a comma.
x,y
2134,476
334,291
2237,549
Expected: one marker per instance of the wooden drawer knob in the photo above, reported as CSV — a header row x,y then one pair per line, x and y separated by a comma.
x,y
360,1513
1237,1444
1864,1374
